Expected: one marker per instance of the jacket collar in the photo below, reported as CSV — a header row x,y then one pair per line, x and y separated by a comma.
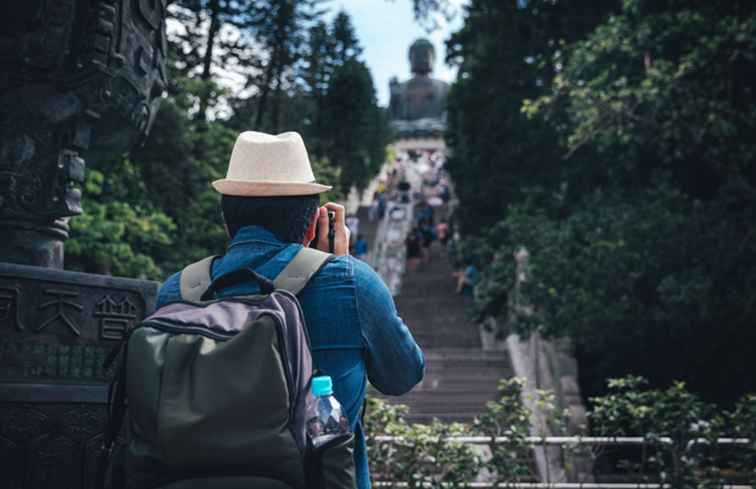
x,y
255,234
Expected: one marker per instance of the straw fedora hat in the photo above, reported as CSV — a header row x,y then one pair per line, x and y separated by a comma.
x,y
266,165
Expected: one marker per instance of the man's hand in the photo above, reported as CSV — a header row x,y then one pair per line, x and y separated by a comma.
x,y
340,230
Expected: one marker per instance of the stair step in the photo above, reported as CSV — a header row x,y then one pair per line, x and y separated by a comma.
x,y
472,359
435,400
455,351
431,381
460,378
428,342
458,385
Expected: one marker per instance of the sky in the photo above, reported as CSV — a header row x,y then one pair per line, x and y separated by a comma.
x,y
386,28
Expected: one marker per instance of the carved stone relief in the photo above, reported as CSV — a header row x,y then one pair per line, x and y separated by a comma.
x,y
56,328
78,79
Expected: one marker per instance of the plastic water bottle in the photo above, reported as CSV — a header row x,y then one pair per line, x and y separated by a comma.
x,y
325,418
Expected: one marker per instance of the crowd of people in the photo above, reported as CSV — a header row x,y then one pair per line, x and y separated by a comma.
x,y
430,223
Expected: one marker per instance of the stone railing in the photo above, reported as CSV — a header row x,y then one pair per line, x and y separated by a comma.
x,y
388,254
388,257
546,364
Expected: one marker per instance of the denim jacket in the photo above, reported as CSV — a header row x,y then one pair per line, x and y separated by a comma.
x,y
354,328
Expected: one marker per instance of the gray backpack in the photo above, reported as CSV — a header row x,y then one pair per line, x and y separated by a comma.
x,y
217,390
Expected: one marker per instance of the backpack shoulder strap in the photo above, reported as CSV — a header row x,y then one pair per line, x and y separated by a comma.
x,y
306,263
195,279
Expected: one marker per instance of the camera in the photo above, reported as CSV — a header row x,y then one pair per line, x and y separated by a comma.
x,y
331,232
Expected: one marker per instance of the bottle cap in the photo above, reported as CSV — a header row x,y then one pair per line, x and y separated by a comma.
x,y
322,386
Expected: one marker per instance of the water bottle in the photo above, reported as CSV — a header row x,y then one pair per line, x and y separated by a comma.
x,y
325,418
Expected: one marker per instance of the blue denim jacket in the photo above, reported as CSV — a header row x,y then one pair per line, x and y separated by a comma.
x,y
352,320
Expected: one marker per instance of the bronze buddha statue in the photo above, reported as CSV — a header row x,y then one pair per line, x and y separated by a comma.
x,y
418,106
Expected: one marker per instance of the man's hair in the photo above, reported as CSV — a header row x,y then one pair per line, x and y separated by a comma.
x,y
286,217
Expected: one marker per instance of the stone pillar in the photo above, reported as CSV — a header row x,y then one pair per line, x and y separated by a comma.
x,y
78,79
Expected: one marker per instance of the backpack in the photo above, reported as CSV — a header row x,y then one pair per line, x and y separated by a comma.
x,y
217,389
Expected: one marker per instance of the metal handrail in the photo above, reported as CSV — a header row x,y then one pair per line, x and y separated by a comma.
x,y
563,440
550,485
559,440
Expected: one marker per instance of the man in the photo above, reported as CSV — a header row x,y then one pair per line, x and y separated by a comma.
x,y
271,209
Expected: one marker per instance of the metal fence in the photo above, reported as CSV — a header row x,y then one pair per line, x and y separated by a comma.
x,y
572,442
567,440
553,485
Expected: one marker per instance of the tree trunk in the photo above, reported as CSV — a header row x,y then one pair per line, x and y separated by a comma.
x,y
264,92
207,59
276,109
318,126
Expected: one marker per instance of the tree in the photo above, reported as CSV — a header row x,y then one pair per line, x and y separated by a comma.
x,y
356,125
199,45
506,54
640,248
113,237
346,46
153,211
279,27
316,72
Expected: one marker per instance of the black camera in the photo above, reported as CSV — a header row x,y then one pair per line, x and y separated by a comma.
x,y
331,232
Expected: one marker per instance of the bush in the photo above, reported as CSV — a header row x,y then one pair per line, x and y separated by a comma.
x,y
422,453
421,456
681,431
679,428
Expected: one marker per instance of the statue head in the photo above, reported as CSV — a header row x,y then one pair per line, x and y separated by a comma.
x,y
422,57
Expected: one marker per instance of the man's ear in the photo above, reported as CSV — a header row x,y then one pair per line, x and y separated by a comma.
x,y
312,228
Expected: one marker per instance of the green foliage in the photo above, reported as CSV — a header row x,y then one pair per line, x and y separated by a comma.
x,y
328,174
651,89
741,423
421,456
424,454
509,417
115,238
346,46
505,55
681,431
356,125
149,213
679,428
636,209
329,97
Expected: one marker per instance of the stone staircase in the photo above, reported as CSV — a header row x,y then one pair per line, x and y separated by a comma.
x,y
458,382
433,310
460,377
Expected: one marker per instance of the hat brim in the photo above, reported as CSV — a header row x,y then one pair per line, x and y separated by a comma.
x,y
244,188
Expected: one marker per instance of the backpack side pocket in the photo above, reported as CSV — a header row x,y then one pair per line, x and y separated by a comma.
x,y
331,465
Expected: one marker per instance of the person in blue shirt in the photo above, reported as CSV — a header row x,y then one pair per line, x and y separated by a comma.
x,y
360,248
467,279
271,209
